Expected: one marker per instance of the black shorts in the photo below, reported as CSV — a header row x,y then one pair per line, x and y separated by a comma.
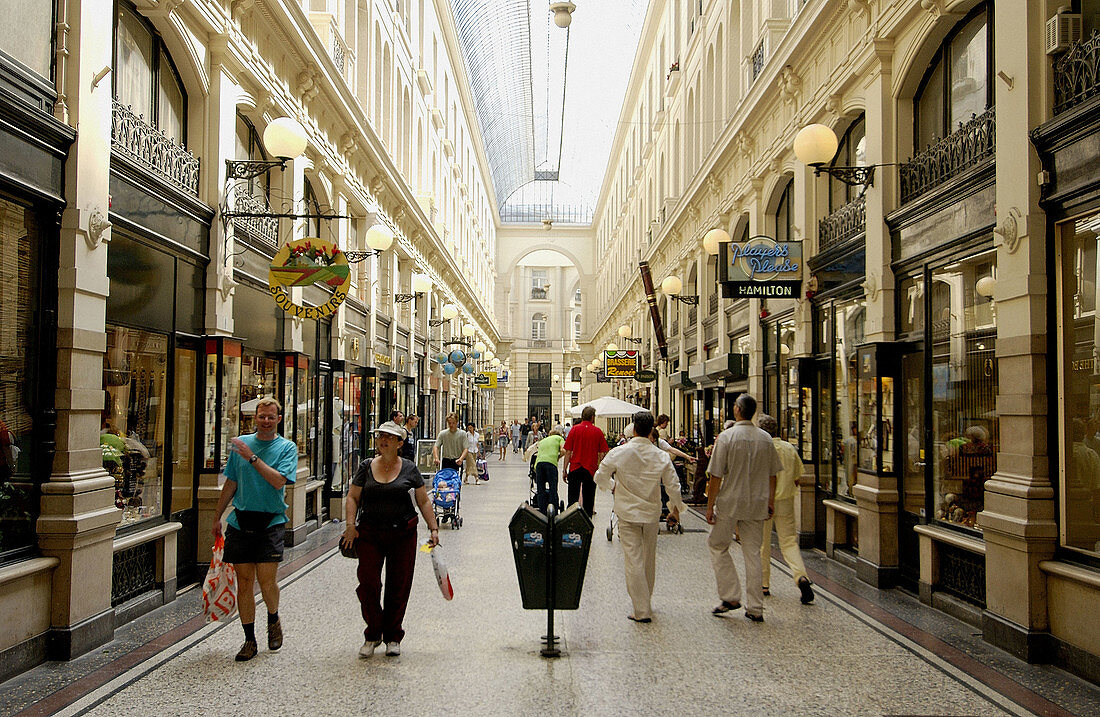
x,y
262,546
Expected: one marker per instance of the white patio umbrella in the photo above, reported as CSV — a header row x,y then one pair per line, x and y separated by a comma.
x,y
608,407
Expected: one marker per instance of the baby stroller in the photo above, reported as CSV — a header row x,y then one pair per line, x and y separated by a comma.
x,y
446,497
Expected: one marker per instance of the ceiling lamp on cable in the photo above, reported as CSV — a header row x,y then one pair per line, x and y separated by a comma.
x,y
563,13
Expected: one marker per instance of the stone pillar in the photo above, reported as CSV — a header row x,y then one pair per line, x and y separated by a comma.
x,y
1018,520
756,210
877,495
805,228
78,516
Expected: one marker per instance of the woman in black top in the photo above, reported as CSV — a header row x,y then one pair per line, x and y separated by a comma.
x,y
381,512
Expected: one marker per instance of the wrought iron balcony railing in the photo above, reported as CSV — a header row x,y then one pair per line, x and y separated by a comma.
x,y
847,222
712,304
676,327
693,314
971,143
1077,74
136,140
539,293
264,230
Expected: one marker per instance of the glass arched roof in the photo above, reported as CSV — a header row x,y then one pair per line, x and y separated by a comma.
x,y
548,99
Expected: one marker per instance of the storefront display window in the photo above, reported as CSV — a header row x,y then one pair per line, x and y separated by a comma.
x,y
1079,480
222,407
965,435
850,317
19,257
133,428
259,379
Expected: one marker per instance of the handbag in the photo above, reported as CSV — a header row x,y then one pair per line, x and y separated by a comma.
x,y
349,552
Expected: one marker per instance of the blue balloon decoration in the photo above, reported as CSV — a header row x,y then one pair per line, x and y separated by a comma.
x,y
448,368
468,368
441,358
458,358
475,354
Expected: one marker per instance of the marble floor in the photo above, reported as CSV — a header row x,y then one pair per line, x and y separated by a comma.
x,y
854,651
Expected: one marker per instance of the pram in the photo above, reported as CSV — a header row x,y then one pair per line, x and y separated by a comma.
x,y
446,495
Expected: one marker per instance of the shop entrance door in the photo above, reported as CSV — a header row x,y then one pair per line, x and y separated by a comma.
x,y
913,475
183,476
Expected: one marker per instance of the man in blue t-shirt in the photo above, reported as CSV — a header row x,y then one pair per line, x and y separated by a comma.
x,y
259,467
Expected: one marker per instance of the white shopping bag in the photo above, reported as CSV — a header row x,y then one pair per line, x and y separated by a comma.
x,y
439,565
219,591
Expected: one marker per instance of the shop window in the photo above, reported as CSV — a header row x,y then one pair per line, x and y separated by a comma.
x,y
133,426
965,428
852,152
19,257
145,78
259,379
959,83
30,39
1079,474
850,317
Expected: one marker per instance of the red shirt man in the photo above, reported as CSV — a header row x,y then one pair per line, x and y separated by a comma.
x,y
585,447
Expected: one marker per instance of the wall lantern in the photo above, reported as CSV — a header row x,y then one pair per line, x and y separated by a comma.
x,y
985,286
421,284
624,333
612,346
713,238
379,238
672,286
815,146
284,138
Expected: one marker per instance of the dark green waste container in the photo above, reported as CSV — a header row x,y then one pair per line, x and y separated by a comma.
x,y
572,540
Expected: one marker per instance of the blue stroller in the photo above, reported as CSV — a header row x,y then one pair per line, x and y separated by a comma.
x,y
447,497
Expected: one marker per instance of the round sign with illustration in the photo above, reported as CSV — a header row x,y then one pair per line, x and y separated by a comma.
x,y
304,262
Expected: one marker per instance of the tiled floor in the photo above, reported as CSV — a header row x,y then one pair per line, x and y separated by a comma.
x,y
479,654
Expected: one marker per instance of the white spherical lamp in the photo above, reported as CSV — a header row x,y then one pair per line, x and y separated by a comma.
x,y
612,346
285,138
985,286
468,330
379,237
815,145
495,362
672,286
479,346
489,355
421,283
449,311
713,238
625,331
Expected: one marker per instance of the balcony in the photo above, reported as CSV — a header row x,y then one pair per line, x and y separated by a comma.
x,y
539,293
712,304
1077,74
693,315
147,147
262,231
539,343
758,60
843,224
970,144
676,327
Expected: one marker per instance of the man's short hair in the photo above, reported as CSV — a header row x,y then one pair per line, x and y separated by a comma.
x,y
643,423
395,413
588,414
769,424
269,401
746,404
452,415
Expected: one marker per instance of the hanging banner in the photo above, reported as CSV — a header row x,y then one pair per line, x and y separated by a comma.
x,y
486,380
762,268
304,262
621,364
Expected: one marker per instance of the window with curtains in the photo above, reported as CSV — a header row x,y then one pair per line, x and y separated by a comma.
x,y
958,84
30,40
852,152
145,78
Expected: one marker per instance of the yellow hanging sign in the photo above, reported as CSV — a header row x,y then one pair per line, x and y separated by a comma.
x,y
304,262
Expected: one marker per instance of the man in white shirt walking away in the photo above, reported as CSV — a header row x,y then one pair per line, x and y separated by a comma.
x,y
786,488
742,469
634,473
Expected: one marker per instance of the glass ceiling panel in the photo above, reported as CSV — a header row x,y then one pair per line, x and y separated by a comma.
x,y
548,99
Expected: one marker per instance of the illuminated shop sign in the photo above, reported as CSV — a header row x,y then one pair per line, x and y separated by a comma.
x,y
304,262
762,268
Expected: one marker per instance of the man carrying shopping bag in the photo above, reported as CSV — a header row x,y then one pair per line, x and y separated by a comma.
x,y
259,467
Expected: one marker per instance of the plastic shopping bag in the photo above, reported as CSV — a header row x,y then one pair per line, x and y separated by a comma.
x,y
441,575
219,591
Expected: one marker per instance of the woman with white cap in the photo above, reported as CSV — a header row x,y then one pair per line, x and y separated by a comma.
x,y
381,526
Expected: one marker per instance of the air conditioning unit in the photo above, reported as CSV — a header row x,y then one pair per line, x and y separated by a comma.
x,y
1063,30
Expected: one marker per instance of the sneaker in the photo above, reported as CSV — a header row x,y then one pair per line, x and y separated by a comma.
x,y
368,648
275,635
248,651
393,649
807,591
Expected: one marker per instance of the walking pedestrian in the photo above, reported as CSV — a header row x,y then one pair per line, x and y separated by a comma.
x,y
634,473
741,495
786,488
503,437
471,451
381,525
450,446
517,435
259,467
548,452
585,447
408,449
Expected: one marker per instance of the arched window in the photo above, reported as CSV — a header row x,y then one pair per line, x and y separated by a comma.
x,y
577,328
249,147
145,80
851,153
538,327
313,225
783,215
959,81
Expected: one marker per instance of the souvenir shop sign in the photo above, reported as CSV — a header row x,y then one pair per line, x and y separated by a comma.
x,y
621,364
304,262
486,380
762,268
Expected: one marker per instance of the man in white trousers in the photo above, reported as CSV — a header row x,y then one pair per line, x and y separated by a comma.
x,y
634,472
741,496
786,488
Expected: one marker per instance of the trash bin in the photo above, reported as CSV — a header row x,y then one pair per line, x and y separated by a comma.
x,y
573,531
529,531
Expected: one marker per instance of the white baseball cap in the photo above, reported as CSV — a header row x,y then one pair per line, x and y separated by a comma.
x,y
391,428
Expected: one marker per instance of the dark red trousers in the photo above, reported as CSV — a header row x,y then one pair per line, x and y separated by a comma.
x,y
394,549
